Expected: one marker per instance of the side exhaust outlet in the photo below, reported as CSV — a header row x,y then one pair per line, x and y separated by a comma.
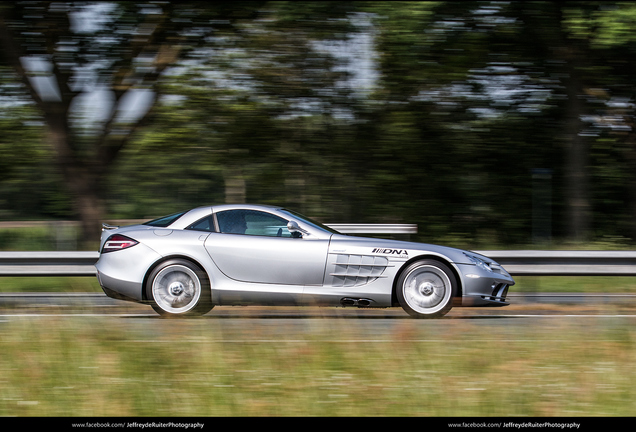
x,y
362,302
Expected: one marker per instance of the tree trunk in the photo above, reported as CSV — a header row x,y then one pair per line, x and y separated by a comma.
x,y
576,163
631,161
235,188
546,34
89,208
82,178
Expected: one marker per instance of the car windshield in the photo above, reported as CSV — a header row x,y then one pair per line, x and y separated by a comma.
x,y
164,221
308,221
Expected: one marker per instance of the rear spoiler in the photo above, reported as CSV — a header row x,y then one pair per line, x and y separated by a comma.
x,y
107,227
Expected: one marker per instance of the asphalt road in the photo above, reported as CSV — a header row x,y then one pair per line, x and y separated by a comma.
x,y
531,319
543,305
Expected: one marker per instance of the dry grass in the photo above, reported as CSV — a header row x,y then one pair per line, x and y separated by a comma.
x,y
79,366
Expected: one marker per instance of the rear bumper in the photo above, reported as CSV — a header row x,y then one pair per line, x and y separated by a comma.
x,y
115,295
121,274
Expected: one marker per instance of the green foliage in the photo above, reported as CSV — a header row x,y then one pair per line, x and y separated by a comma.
x,y
605,26
29,186
468,100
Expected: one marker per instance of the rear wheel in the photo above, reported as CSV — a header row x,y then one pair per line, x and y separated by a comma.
x,y
426,288
178,288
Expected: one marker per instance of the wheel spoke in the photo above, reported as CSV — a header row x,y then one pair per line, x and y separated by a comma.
x,y
426,290
176,289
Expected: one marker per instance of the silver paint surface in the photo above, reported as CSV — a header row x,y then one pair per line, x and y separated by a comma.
x,y
321,267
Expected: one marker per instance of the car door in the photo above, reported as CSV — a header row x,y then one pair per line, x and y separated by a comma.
x,y
256,246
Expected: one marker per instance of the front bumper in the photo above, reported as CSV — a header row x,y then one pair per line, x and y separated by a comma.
x,y
484,288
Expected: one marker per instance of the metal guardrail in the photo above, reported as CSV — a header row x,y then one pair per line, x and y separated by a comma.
x,y
48,263
375,228
517,263
565,263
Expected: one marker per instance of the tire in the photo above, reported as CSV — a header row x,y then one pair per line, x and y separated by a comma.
x,y
426,288
179,288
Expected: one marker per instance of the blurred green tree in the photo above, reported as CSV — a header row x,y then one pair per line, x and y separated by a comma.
x,y
65,54
504,88
257,110
581,54
439,118
68,54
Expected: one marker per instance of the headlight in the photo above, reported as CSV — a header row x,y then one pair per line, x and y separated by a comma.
x,y
479,262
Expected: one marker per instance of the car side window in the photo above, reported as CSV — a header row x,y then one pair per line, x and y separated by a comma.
x,y
205,224
252,222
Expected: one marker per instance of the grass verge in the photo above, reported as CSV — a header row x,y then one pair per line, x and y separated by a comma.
x,y
80,366
574,284
49,284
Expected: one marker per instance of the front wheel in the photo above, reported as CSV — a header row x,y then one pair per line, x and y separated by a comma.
x,y
426,288
178,288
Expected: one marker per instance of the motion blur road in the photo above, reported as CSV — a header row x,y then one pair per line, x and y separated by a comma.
x,y
529,320
573,352
545,306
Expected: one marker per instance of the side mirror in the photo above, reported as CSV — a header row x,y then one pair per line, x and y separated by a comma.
x,y
296,230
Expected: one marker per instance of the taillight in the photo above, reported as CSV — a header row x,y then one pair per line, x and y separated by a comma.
x,y
118,242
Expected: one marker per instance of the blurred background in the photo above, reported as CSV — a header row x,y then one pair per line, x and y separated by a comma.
x,y
488,124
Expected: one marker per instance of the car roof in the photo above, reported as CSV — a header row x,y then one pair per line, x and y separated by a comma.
x,y
222,207
191,216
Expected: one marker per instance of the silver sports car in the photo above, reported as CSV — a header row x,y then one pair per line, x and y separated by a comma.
x,y
186,263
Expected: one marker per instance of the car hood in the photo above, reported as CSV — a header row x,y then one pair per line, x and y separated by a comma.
x,y
401,248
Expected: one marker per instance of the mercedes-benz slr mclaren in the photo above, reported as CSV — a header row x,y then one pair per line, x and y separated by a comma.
x,y
189,262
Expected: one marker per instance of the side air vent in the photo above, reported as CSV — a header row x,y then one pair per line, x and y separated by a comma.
x,y
354,270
